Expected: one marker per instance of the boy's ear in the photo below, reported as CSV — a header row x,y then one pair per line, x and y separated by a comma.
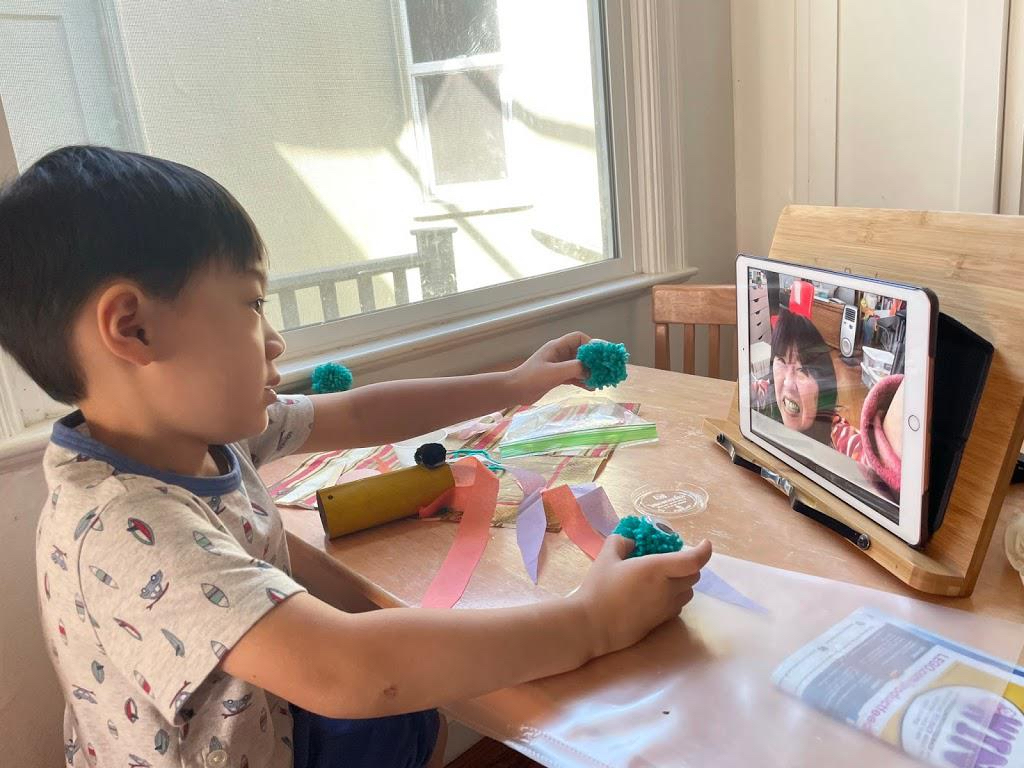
x,y
123,316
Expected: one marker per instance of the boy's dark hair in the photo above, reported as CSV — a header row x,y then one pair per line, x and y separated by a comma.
x,y
796,332
82,216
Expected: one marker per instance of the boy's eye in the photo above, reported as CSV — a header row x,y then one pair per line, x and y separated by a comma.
x,y
258,305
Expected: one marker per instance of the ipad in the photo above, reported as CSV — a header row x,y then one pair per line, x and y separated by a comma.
x,y
835,379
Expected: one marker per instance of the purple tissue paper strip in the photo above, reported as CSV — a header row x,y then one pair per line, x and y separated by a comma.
x,y
596,508
531,523
713,585
528,480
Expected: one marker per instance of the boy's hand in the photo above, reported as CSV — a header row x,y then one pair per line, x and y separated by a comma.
x,y
553,364
625,599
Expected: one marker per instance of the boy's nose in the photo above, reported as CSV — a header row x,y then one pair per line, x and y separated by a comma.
x,y
275,344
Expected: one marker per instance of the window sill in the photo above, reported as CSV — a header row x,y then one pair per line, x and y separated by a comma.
x,y
434,338
27,447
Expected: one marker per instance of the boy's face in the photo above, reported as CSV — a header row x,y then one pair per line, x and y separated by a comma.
x,y
213,372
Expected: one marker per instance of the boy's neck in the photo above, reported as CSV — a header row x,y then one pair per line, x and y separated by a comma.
x,y
179,454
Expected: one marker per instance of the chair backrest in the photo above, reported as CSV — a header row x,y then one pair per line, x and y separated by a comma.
x,y
691,305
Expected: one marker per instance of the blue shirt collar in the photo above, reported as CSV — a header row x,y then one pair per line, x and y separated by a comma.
x,y
67,434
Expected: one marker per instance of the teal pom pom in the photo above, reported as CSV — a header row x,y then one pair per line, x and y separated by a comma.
x,y
650,538
605,361
331,377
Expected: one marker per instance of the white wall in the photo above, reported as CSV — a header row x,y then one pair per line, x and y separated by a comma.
x,y
31,706
872,103
763,110
706,190
706,114
1011,193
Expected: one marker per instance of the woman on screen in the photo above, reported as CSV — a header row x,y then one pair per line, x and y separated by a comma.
x,y
801,392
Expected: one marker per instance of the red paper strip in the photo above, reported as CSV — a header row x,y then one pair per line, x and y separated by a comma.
x,y
563,504
441,502
464,474
477,502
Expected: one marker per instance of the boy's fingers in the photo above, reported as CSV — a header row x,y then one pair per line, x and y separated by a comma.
x,y
689,561
615,548
684,595
700,554
570,342
576,338
572,369
688,581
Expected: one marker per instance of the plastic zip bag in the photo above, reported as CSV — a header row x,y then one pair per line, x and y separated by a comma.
x,y
574,425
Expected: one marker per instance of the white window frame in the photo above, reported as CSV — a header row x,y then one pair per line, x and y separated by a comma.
x,y
432,190
639,167
641,103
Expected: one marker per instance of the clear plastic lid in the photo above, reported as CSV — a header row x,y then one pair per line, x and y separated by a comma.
x,y
669,501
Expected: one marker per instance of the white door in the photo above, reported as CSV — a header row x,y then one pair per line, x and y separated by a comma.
x,y
875,103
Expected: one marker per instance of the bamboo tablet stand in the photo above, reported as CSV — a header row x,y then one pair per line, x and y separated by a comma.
x,y
973,262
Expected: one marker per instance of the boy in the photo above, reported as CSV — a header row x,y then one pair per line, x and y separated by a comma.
x,y
133,288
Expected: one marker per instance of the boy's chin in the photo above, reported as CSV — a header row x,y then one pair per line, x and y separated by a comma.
x,y
243,429
259,425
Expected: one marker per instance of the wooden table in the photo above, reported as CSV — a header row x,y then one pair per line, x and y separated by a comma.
x,y
745,519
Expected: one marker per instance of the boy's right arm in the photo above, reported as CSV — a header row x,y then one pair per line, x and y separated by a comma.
x,y
393,661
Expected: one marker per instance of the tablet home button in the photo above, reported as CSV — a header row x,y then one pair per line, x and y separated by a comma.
x,y
914,423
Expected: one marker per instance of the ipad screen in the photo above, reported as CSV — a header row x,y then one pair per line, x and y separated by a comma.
x,y
827,381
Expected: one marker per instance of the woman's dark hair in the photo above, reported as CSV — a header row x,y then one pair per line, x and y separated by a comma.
x,y
797,333
82,216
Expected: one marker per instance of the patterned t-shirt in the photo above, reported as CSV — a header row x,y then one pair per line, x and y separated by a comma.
x,y
146,579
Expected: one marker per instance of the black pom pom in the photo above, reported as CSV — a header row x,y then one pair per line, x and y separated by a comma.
x,y
431,455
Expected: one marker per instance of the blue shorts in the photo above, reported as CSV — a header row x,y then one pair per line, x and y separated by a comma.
x,y
399,741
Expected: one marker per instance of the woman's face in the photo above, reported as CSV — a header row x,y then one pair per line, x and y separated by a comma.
x,y
796,391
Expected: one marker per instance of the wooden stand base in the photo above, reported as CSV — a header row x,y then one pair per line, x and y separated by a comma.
x,y
915,568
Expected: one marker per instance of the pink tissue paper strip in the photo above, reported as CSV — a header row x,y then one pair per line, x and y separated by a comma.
x,y
477,501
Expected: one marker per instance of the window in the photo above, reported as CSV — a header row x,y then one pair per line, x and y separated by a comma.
x,y
389,152
405,161
453,50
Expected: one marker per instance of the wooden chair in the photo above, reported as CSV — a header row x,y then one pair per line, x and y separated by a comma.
x,y
691,305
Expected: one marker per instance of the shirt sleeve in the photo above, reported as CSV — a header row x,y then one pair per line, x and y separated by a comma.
x,y
290,423
169,592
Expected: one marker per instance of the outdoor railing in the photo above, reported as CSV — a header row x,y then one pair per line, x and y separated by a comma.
x,y
434,257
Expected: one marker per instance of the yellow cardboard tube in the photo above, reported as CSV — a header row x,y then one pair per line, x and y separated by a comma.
x,y
371,501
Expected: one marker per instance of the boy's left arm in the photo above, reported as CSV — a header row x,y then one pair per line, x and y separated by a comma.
x,y
383,413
